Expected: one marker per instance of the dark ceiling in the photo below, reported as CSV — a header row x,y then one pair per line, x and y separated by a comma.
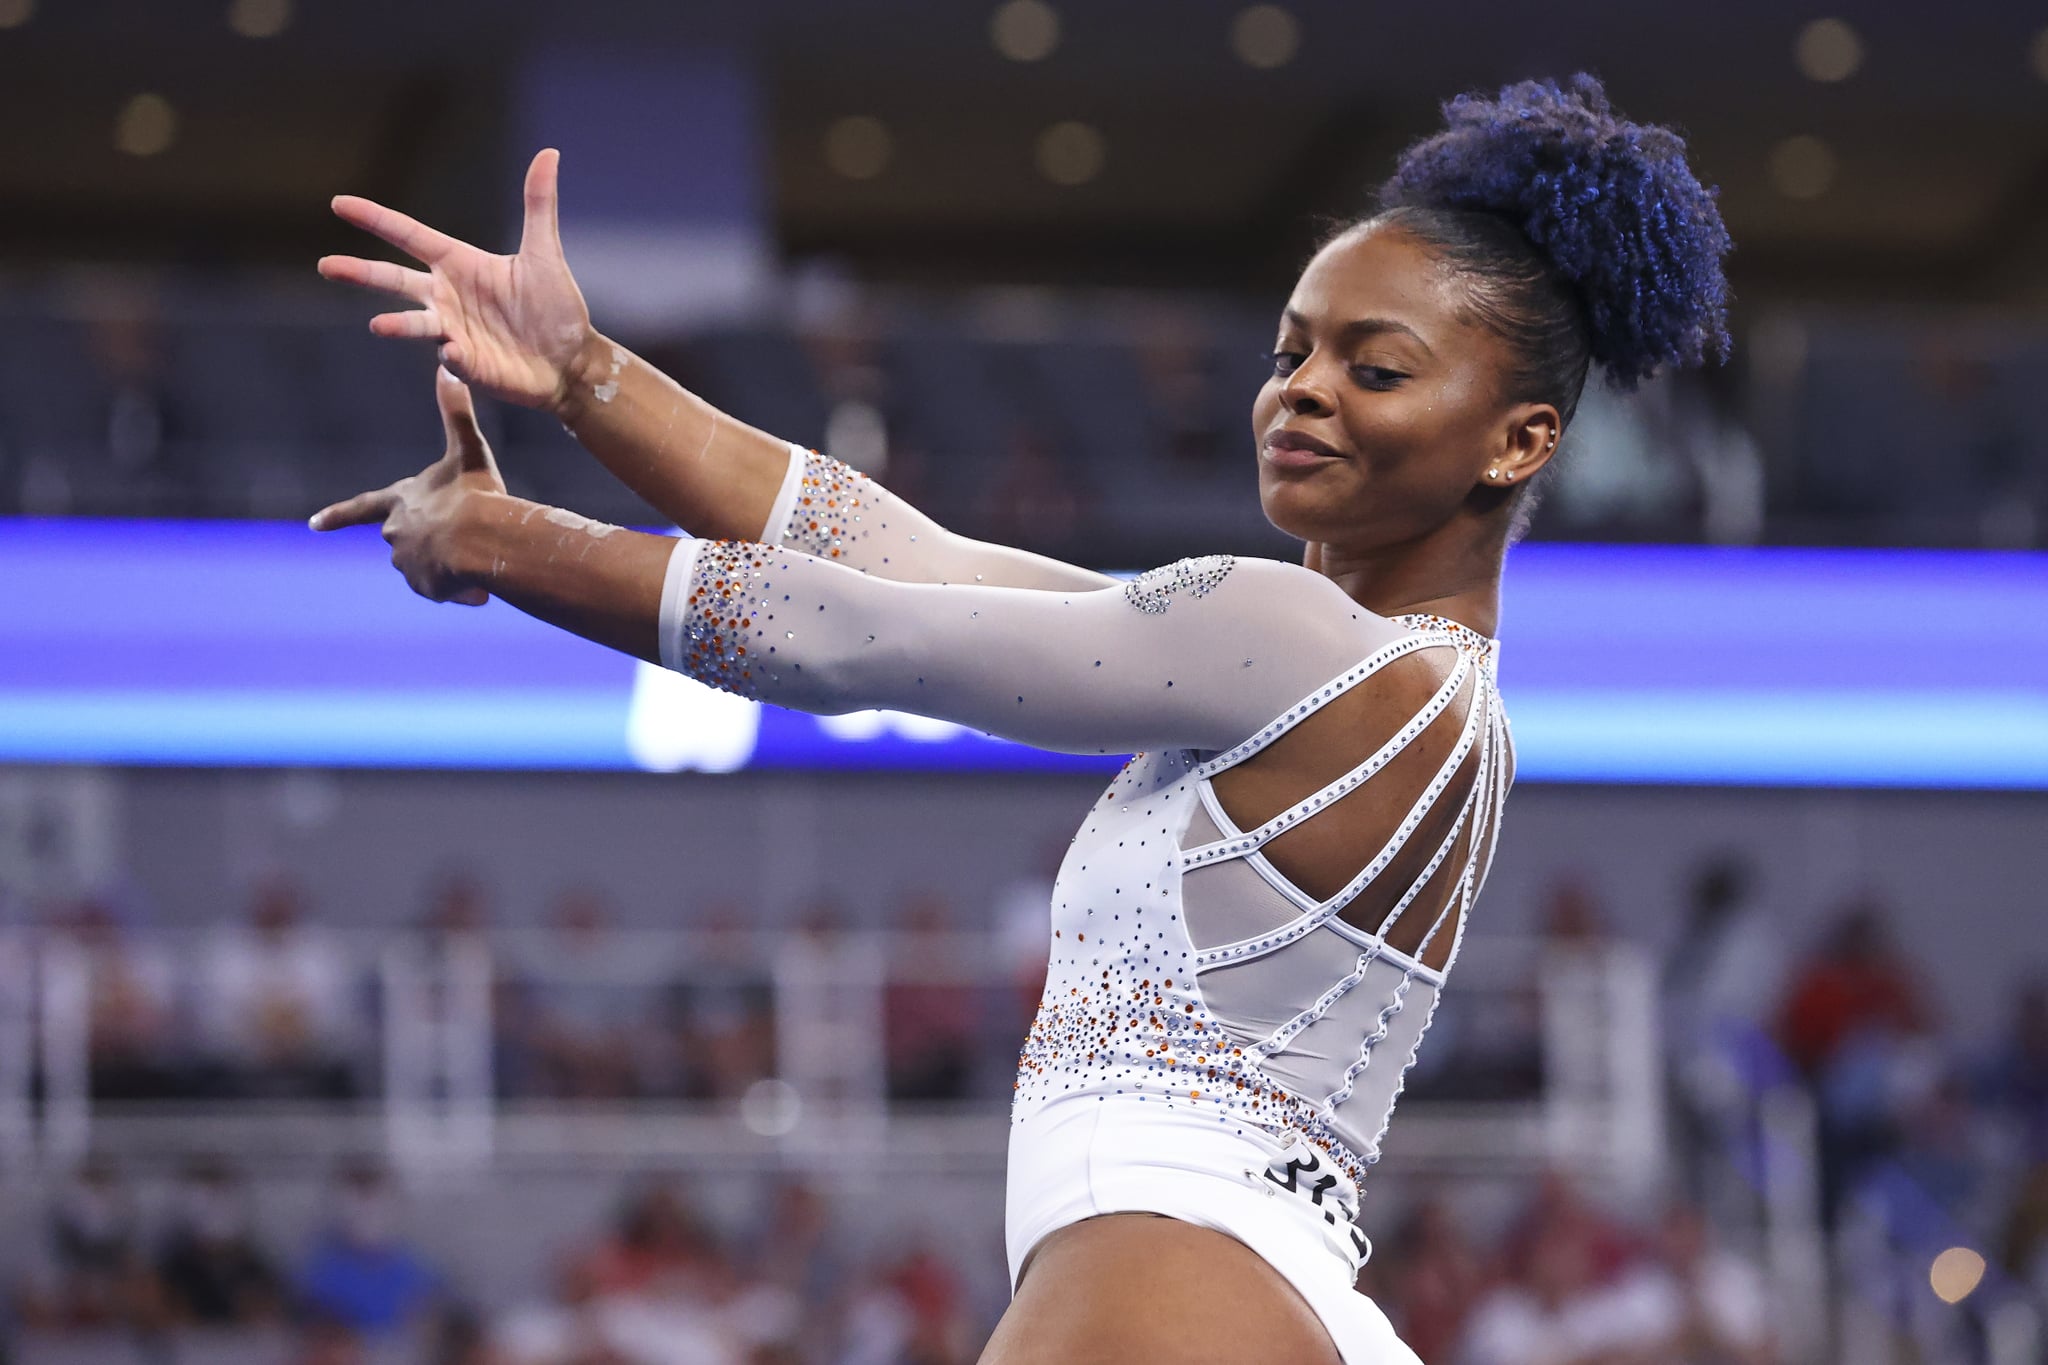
x,y
1214,171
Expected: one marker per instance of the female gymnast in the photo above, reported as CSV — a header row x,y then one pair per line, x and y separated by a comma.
x,y
1251,930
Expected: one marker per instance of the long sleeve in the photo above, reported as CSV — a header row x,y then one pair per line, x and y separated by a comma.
x,y
1198,654
829,509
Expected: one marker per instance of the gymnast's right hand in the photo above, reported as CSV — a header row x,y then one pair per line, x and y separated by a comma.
x,y
514,326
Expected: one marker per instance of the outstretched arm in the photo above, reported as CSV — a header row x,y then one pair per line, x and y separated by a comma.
x,y
517,326
1199,654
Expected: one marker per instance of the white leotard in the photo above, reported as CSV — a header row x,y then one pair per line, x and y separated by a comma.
x,y
1214,1044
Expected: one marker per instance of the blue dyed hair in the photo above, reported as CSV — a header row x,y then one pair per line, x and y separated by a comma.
x,y
1583,237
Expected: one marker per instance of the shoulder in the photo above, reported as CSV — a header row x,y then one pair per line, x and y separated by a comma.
x,y
1276,590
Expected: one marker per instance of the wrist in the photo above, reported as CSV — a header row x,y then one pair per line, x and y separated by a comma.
x,y
591,366
471,547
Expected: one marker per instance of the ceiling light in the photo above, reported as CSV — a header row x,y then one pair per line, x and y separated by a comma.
x,y
1955,1273
858,147
15,13
1828,50
1265,36
259,18
1071,153
147,125
1025,30
1803,167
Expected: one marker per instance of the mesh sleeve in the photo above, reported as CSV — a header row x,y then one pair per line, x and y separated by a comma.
x,y
1199,654
831,510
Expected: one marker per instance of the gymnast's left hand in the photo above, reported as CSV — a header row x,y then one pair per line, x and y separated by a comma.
x,y
420,514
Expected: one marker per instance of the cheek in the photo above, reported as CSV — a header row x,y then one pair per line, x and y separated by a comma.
x,y
1265,407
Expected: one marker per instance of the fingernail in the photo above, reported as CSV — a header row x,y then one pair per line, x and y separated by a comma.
x,y
313,522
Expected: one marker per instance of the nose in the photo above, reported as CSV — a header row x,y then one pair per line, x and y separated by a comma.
x,y
1305,394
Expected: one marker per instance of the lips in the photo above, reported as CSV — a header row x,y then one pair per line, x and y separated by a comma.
x,y
1292,449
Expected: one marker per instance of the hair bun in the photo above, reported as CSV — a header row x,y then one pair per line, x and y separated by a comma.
x,y
1612,204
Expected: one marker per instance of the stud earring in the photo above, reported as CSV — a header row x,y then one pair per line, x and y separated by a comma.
x,y
1493,473
1511,475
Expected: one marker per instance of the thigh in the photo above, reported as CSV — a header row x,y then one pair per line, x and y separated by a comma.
x,y
1134,1287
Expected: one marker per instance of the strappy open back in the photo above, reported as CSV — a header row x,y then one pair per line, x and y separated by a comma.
x,y
1226,987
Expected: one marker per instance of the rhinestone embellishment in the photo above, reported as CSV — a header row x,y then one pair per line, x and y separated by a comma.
x,y
829,503
1152,592
724,616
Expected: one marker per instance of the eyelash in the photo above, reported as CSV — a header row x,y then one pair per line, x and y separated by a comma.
x,y
1370,376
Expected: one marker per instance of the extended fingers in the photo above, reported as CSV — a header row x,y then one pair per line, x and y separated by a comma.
x,y
417,322
458,416
385,276
408,234
543,227
360,510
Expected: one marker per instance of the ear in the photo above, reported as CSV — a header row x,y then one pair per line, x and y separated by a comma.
x,y
1528,440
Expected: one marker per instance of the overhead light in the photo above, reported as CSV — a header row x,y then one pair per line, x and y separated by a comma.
x,y
1265,37
15,13
1803,167
858,147
259,18
2037,55
1071,153
146,126
1955,1274
1025,30
1828,50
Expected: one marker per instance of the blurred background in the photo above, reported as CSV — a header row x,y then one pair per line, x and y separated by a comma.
x,y
379,986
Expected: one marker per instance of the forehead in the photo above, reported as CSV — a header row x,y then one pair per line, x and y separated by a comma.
x,y
1380,272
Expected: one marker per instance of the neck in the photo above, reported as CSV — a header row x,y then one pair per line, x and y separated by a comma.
x,y
1454,573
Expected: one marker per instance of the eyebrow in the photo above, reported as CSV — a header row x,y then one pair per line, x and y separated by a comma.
x,y
1364,327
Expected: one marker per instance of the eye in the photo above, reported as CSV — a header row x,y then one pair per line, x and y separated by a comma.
x,y
1287,362
1377,376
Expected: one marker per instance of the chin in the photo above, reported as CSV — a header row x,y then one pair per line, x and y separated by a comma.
x,y
1299,512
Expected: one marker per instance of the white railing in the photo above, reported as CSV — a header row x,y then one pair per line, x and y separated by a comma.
x,y
431,1046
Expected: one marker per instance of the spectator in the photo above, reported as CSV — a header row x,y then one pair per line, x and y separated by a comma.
x,y
928,1022
458,908
325,1341
212,1269
130,1007
1571,916
1558,1205
1436,1278
1727,964
1694,1303
92,1273
1855,983
913,1313
2012,1081
1181,380
2024,1243
278,1004
722,1013
658,1245
796,1250
1036,501
658,1291
1021,917
581,1016
361,1273
1555,1311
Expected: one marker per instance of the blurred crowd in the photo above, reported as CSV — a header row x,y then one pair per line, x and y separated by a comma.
x,y
275,1006
1568,1283
1934,1134
1110,429
1565,1283
1938,1138
657,1285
